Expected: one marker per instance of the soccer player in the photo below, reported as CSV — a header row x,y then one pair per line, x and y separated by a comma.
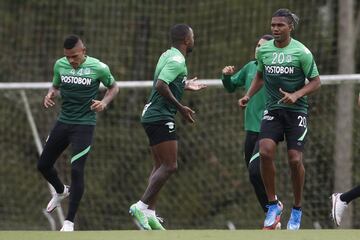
x,y
340,201
283,65
170,81
76,78
253,114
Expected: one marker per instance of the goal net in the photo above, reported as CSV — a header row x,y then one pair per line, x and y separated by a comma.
x,y
211,188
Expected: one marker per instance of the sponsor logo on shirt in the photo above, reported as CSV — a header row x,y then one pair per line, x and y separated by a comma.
x,y
279,70
76,80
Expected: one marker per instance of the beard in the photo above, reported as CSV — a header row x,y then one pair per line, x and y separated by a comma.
x,y
189,49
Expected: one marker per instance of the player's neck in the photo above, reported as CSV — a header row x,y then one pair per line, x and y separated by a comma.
x,y
283,43
181,48
84,59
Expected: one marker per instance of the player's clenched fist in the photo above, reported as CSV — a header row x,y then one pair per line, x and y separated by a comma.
x,y
228,70
243,101
97,106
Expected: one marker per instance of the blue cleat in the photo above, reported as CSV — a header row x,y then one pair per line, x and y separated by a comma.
x,y
273,217
295,220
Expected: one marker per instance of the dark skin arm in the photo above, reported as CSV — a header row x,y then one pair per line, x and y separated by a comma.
x,y
164,90
312,86
255,86
49,98
111,92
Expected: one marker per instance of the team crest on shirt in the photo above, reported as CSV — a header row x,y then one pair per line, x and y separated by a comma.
x,y
87,71
80,72
288,59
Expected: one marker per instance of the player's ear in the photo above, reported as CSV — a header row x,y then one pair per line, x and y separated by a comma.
x,y
186,40
291,26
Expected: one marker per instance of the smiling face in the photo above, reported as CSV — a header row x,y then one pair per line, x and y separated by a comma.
x,y
281,29
76,55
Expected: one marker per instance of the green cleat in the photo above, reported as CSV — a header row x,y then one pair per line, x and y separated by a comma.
x,y
139,217
154,223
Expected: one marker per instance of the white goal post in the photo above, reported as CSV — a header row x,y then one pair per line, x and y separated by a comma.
x,y
325,79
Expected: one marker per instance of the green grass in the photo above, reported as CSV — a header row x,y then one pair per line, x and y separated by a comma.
x,y
184,235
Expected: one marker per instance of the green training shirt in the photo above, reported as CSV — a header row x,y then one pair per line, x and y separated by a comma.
x,y
285,68
78,87
171,68
254,110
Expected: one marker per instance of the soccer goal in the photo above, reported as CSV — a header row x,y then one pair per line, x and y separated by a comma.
x,y
211,188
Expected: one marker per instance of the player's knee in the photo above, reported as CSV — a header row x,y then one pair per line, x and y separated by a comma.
x,y
265,154
267,150
253,173
295,161
170,169
254,177
42,166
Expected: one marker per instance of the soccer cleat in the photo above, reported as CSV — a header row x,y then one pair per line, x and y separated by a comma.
x,y
67,227
338,208
140,217
155,222
295,220
273,217
57,198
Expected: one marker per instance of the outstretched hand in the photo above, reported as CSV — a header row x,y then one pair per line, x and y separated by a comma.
x,y
193,85
289,98
97,105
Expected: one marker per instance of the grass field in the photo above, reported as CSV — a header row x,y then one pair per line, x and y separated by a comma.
x,y
184,235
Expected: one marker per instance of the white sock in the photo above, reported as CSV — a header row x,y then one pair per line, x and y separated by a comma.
x,y
142,205
150,212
